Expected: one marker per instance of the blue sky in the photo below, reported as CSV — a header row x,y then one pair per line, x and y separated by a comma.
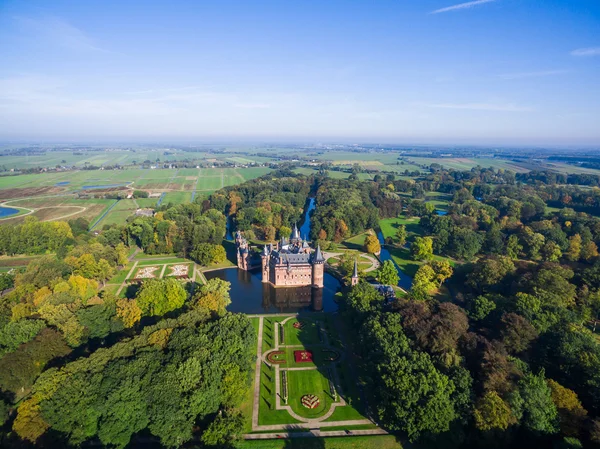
x,y
403,71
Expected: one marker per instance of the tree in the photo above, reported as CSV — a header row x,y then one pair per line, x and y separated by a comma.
x,y
225,428
214,295
574,250
539,412
571,413
422,248
481,307
551,252
491,412
443,270
388,274
361,298
128,311
159,296
464,243
513,247
516,332
424,283
285,231
372,244
589,251
401,235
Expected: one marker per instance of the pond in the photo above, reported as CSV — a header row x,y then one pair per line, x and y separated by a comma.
x,y
8,211
105,186
250,295
62,183
405,280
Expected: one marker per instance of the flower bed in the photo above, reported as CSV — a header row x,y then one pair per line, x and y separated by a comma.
x,y
310,401
330,355
304,356
179,271
146,273
276,357
284,386
298,325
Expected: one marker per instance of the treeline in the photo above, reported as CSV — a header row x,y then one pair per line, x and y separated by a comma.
x,y
33,237
264,208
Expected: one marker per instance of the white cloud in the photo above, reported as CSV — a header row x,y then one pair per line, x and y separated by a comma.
x,y
500,107
519,75
466,5
59,32
591,51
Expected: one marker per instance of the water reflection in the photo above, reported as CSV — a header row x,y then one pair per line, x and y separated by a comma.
x,y
250,295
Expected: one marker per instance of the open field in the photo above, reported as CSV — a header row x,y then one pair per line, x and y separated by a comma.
x,y
469,163
360,442
64,207
51,196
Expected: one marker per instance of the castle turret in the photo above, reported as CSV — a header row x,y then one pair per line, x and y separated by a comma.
x,y
318,268
265,263
354,278
295,234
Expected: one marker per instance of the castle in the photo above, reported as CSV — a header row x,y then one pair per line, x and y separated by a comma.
x,y
291,263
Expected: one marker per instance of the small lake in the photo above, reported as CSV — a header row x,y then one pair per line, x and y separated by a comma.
x,y
250,295
8,211
62,183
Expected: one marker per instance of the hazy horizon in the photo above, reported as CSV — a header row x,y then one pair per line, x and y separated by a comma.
x,y
433,72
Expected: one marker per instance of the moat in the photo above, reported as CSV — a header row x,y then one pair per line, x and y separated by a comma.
x,y
250,295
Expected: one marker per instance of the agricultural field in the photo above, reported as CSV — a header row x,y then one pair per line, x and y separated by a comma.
x,y
70,194
469,163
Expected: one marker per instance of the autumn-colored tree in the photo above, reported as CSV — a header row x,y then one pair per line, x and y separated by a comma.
x,y
491,412
372,244
341,231
574,251
424,283
128,311
322,234
285,231
571,413
443,270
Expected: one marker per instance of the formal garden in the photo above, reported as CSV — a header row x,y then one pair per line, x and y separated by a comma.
x,y
305,376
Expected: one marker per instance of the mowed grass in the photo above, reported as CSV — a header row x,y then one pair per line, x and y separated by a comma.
x,y
389,226
301,383
361,442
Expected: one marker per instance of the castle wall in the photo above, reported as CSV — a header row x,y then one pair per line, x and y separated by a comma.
x,y
300,275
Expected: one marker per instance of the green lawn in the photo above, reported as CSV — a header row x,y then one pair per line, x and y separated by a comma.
x,y
308,335
301,383
363,442
389,226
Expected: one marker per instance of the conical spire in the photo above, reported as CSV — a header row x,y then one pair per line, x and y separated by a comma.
x,y
355,274
295,233
318,255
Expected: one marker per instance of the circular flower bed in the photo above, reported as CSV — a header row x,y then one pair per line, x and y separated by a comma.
x,y
298,325
276,357
310,401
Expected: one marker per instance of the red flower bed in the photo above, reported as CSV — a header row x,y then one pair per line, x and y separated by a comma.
x,y
303,356
298,325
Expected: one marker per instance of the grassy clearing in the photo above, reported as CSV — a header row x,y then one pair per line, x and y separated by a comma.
x,y
363,442
389,226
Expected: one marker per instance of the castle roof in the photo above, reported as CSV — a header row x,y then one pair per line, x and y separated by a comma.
x,y
318,256
355,274
295,233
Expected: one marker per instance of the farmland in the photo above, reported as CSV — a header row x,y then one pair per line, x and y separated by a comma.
x,y
71,194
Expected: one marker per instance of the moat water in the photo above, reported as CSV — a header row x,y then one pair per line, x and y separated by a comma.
x,y
250,295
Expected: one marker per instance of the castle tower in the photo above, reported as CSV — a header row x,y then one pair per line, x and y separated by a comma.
x,y
264,257
354,278
318,268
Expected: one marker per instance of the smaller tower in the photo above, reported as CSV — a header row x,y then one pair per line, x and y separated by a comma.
x,y
354,278
265,263
318,268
